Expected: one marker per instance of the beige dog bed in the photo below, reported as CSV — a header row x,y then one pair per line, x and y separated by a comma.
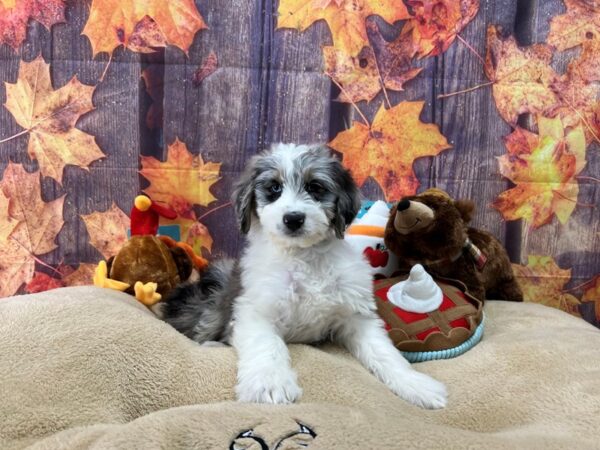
x,y
91,368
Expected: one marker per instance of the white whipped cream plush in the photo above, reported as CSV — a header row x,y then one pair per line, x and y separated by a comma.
x,y
365,234
418,293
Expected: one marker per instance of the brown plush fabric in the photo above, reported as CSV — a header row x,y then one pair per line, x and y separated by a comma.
x,y
91,368
438,244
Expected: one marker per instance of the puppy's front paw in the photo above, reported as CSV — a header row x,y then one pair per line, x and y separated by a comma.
x,y
268,386
421,390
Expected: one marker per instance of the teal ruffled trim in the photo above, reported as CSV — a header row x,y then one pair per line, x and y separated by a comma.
x,y
449,353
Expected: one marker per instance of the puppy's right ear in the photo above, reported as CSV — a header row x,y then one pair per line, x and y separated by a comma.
x,y
243,199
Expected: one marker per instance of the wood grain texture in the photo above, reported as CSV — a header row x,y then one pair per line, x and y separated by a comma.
x,y
221,117
471,122
576,244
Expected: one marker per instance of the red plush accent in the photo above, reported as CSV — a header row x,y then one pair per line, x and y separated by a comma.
x,y
164,211
143,222
146,222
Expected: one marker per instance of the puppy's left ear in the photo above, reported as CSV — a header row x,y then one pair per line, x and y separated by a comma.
x,y
466,209
243,198
348,201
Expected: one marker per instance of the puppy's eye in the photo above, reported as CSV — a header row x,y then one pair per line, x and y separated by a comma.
x,y
275,188
314,187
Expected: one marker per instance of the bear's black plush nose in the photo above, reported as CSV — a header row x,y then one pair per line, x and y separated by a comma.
x,y
294,220
403,205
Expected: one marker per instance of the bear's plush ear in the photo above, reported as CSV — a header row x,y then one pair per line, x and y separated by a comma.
x,y
466,208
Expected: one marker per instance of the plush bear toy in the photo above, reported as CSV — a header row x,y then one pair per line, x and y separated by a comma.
x,y
431,229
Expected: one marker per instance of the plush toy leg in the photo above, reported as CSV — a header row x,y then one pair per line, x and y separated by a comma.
x,y
146,293
101,278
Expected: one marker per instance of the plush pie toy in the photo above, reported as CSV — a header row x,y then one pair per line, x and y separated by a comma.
x,y
428,319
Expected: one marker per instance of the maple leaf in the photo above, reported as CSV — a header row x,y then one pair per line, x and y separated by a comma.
x,y
42,282
182,181
436,23
522,77
15,14
524,82
592,294
7,223
346,18
387,149
542,281
579,24
207,68
49,116
543,167
142,25
38,224
361,76
107,230
83,276
193,232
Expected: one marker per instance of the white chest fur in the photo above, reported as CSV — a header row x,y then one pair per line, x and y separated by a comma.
x,y
306,293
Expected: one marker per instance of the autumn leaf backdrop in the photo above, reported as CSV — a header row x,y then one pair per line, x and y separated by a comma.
x,y
490,100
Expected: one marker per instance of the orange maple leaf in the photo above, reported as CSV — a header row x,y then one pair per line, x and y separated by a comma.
x,y
542,281
544,168
107,230
346,18
522,77
142,25
579,24
14,15
49,116
362,76
38,224
193,232
592,294
182,181
524,82
437,22
83,276
387,149
42,282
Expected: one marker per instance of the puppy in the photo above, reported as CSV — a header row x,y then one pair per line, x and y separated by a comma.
x,y
297,281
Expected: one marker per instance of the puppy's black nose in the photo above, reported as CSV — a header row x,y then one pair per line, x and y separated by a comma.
x,y
403,205
294,220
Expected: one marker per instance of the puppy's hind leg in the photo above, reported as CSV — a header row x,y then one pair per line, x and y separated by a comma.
x,y
368,341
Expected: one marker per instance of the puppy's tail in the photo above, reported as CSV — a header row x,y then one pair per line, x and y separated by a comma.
x,y
202,309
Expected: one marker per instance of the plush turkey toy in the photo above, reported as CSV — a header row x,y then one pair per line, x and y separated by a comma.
x,y
148,266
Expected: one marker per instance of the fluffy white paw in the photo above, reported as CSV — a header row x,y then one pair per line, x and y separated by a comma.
x,y
421,390
269,386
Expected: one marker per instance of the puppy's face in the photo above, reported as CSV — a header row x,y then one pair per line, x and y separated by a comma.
x,y
299,195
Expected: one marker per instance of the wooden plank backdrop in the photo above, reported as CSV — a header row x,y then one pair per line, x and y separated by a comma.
x,y
270,87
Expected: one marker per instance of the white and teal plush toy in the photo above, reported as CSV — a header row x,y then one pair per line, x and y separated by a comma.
x,y
365,234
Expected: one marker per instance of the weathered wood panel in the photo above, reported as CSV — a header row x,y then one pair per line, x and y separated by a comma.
x,y
221,117
114,123
575,244
470,120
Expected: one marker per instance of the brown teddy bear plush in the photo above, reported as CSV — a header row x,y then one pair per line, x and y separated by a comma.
x,y
431,229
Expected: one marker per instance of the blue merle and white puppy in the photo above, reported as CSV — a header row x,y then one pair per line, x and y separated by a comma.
x,y
297,281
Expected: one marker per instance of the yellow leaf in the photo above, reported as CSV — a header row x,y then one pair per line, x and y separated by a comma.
x,y
50,116
107,230
544,168
182,181
542,281
346,18
37,225
142,24
387,149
